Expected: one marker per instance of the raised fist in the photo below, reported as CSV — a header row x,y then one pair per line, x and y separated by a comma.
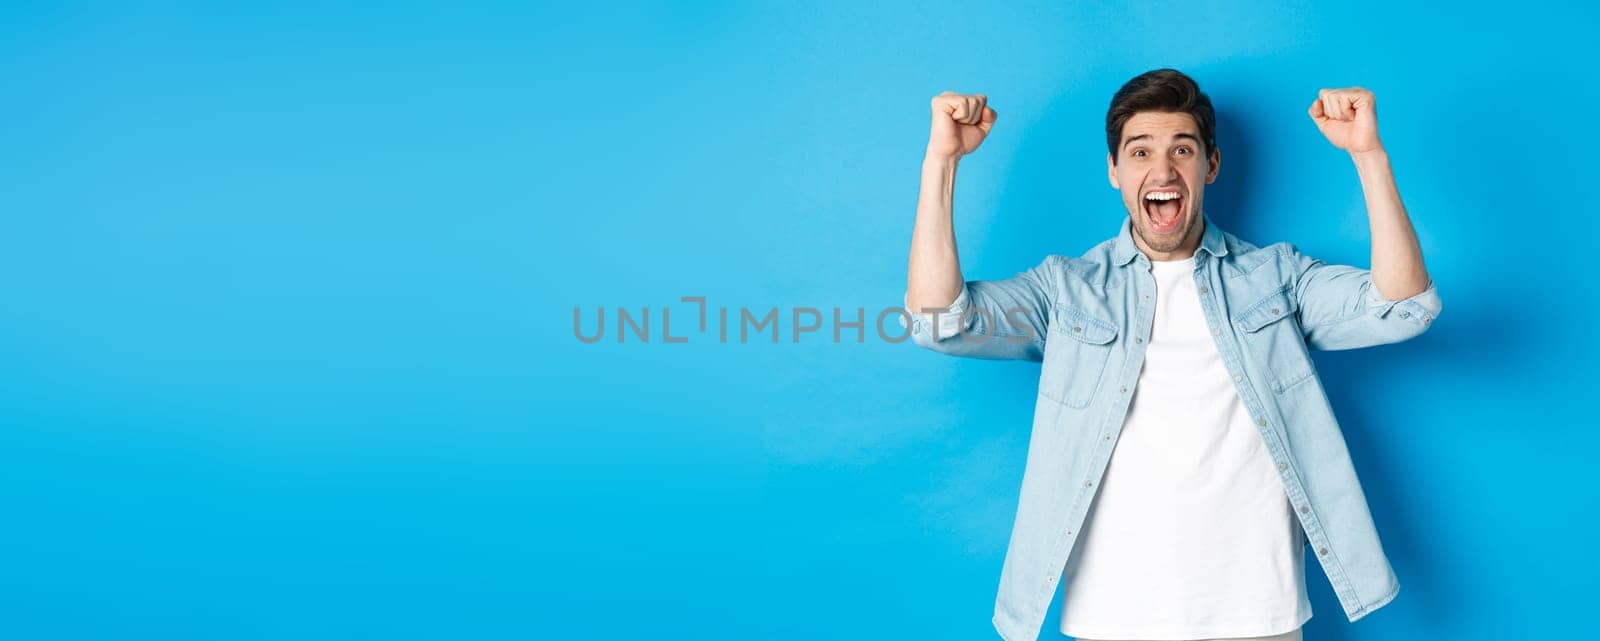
x,y
960,123
1349,118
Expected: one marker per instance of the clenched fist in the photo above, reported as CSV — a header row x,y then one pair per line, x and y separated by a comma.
x,y
960,123
1349,118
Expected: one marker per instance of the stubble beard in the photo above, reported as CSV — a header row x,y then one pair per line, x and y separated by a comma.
x,y
1165,244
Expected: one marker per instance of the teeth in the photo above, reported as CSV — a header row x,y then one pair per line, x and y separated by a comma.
x,y
1161,195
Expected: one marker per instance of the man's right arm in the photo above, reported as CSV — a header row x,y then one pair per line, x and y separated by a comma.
x,y
1003,319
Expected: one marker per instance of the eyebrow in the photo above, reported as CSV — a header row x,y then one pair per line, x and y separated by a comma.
x,y
1191,137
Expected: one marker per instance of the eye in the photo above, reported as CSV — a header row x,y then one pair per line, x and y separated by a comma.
x,y
1184,151
1138,153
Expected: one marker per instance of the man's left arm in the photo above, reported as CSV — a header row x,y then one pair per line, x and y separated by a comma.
x,y
1344,307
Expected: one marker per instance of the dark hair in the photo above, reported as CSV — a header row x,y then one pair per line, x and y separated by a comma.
x,y
1166,90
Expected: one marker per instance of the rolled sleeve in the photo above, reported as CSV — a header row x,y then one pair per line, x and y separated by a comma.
x,y
937,325
1420,308
999,319
1341,308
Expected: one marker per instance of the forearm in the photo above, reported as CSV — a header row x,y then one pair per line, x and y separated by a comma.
x,y
934,275
1397,268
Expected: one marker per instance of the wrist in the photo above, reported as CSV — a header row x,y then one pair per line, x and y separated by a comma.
x,y
934,159
1370,157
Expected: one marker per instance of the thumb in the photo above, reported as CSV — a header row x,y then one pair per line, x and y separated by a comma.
x,y
986,122
1316,110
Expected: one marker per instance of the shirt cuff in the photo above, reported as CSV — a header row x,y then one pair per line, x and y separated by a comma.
x,y
1420,308
949,321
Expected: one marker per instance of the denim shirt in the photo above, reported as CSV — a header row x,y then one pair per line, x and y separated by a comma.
x,y
1088,320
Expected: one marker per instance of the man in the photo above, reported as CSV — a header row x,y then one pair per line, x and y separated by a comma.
x,y
1183,452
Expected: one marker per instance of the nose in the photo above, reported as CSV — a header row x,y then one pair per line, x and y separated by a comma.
x,y
1164,170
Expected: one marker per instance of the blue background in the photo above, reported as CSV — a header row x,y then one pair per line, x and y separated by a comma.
x,y
287,297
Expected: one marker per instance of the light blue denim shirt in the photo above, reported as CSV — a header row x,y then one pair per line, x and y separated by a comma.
x,y
1088,319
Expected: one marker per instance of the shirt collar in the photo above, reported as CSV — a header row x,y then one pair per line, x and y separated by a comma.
x,y
1125,250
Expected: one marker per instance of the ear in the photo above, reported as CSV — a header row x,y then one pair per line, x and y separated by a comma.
x,y
1216,165
1111,172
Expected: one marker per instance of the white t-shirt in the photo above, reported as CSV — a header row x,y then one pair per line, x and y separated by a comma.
x,y
1191,535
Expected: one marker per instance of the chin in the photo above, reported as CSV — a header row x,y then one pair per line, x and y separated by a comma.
x,y
1168,241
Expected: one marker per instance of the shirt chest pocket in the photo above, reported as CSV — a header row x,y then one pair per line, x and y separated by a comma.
x,y
1273,339
1077,348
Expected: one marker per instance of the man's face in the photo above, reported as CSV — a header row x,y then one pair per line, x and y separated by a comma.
x,y
1162,168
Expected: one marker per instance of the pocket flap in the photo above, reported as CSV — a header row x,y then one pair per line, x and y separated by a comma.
x,y
1273,307
1081,325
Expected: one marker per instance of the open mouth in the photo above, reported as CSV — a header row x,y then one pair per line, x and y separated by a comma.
x,y
1164,208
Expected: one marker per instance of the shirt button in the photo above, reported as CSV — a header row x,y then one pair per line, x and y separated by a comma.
x,y
1405,314
1322,551
1203,289
1262,422
1088,483
1077,328
1050,579
1273,311
1304,509
1124,390
1283,466
1237,378
1108,437
1138,340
